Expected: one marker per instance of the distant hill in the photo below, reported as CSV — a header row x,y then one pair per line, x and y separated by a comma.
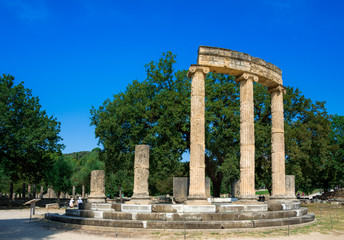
x,y
75,154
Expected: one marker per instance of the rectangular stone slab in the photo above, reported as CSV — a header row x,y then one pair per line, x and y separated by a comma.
x,y
136,208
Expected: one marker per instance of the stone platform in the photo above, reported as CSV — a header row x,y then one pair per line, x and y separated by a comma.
x,y
178,216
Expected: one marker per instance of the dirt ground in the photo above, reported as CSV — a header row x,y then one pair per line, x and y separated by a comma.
x,y
16,224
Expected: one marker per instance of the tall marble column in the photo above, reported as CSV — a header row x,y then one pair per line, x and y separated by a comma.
x,y
141,175
197,190
247,148
277,142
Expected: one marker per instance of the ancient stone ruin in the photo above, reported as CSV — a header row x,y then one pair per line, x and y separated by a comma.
x,y
199,211
97,194
141,174
247,70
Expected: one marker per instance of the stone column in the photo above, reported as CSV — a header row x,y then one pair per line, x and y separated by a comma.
x,y
97,183
247,148
277,142
11,191
41,192
197,190
83,192
290,186
141,174
73,192
29,191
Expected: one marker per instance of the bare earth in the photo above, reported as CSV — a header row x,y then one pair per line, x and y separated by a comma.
x,y
16,224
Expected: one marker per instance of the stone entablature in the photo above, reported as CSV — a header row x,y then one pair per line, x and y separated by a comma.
x,y
226,61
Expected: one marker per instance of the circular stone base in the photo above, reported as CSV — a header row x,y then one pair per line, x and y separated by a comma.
x,y
180,216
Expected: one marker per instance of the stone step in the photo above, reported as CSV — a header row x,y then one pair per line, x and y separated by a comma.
x,y
182,224
186,216
98,206
182,208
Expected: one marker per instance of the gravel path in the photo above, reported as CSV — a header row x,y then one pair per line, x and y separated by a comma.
x,y
16,224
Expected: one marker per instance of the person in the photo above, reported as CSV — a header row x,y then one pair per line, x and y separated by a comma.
x,y
79,201
71,203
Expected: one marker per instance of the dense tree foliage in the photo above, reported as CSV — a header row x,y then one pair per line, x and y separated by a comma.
x,y
83,163
28,136
59,177
153,113
157,112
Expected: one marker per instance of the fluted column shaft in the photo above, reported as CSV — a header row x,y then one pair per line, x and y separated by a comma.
x,y
277,142
247,148
197,135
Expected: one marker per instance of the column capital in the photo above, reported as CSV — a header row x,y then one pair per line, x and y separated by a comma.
x,y
247,76
196,68
278,88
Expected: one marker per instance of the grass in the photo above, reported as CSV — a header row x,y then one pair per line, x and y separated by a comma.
x,y
264,192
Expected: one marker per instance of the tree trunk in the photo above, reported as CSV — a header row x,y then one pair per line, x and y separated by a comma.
x,y
216,188
11,191
326,186
268,186
217,180
58,197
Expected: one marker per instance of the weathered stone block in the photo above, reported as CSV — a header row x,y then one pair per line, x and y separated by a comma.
x,y
230,208
290,186
98,214
181,188
73,212
151,216
275,207
52,206
97,194
86,213
136,208
116,206
141,175
236,189
117,216
187,217
199,209
163,208
237,224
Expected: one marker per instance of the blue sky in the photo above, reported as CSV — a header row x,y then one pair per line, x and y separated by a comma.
x,y
77,53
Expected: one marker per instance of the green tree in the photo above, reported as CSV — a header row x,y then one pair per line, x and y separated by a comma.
x,y
28,135
337,153
59,176
153,113
84,164
222,131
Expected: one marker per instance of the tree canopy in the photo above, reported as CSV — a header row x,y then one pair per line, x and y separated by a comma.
x,y
28,135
